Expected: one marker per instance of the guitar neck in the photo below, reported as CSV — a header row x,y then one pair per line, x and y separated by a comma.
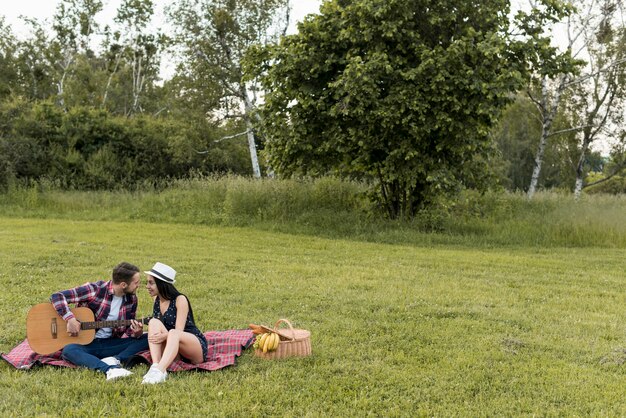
x,y
111,324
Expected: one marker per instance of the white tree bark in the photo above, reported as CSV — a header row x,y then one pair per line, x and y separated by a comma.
x,y
256,170
598,116
578,187
65,68
548,109
118,57
582,33
138,79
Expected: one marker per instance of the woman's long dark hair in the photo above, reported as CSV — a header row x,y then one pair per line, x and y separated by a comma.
x,y
169,292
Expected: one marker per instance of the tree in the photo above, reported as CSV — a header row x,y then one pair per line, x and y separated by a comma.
x,y
8,59
599,96
593,96
74,24
139,48
517,135
35,64
214,36
402,93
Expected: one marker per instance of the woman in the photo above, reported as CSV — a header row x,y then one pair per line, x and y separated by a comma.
x,y
171,331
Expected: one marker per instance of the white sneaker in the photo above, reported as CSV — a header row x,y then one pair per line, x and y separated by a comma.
x,y
150,373
111,361
154,375
117,372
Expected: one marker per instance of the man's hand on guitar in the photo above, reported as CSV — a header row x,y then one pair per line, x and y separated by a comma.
x,y
136,327
73,326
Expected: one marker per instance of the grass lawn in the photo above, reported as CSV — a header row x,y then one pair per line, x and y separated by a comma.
x,y
397,330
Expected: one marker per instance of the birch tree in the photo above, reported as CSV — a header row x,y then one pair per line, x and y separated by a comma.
x,y
550,89
141,47
588,83
214,35
74,24
599,95
132,57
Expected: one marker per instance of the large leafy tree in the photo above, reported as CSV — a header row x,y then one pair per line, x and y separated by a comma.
x,y
399,92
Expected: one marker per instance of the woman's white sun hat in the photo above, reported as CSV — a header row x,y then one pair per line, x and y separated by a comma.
x,y
162,272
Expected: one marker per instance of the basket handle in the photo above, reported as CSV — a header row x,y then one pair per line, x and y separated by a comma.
x,y
286,321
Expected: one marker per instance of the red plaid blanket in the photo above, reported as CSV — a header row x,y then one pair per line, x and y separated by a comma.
x,y
224,346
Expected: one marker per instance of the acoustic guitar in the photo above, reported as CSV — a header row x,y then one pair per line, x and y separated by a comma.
x,y
46,331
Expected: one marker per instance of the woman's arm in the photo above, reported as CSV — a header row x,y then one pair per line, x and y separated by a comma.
x,y
182,309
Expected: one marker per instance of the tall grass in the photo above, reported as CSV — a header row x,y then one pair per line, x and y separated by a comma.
x,y
334,208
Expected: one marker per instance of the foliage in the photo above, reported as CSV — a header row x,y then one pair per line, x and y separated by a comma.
x,y
517,135
599,97
213,37
401,93
8,59
616,185
87,148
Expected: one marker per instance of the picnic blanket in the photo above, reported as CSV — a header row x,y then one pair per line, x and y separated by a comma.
x,y
224,347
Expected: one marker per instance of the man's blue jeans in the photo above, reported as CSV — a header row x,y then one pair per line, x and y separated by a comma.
x,y
89,355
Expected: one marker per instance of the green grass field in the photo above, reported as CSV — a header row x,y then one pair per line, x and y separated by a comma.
x,y
406,328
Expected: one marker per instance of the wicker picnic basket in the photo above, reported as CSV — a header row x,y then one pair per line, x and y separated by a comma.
x,y
293,342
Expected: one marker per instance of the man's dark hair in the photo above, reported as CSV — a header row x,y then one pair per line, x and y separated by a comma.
x,y
124,272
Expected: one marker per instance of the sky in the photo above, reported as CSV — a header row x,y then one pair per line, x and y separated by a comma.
x,y
44,9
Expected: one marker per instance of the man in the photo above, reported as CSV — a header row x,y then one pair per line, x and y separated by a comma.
x,y
109,301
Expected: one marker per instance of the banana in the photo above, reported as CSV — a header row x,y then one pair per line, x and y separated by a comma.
x,y
270,344
266,343
276,341
262,340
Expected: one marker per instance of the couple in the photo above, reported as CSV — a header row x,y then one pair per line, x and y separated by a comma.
x,y
171,331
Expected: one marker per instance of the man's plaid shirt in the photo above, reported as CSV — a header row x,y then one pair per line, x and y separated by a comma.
x,y
97,297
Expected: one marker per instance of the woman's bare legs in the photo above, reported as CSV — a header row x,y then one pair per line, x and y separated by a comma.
x,y
156,327
179,342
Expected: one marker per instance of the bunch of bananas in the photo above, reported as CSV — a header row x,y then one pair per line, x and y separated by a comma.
x,y
267,341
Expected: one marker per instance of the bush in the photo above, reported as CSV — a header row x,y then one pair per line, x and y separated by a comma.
x,y
615,185
88,149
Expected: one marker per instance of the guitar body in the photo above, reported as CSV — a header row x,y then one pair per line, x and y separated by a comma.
x,y
47,333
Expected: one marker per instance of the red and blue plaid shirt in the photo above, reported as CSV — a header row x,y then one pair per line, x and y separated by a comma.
x,y
97,297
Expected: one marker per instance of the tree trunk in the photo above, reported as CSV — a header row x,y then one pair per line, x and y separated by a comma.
x,y
65,67
110,79
538,161
138,79
256,170
578,186
548,112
